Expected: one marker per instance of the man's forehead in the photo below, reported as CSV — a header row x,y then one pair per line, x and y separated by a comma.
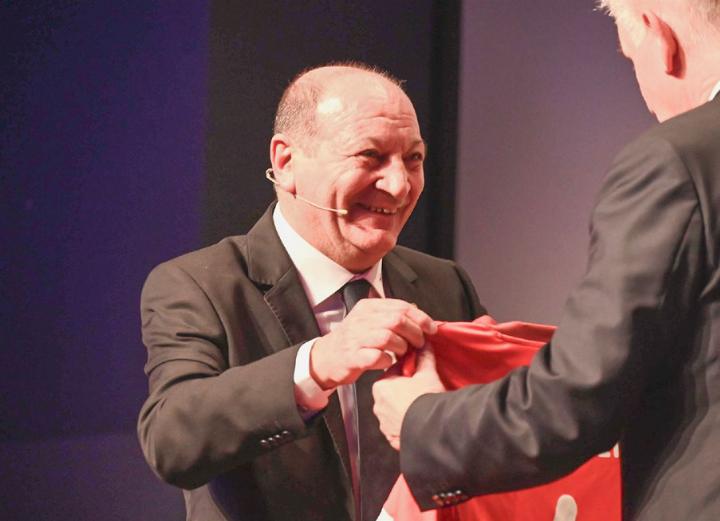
x,y
371,126
357,104
346,94
330,105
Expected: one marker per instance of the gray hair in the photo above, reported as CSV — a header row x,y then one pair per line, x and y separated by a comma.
x,y
700,12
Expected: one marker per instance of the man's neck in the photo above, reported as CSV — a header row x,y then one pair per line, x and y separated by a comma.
x,y
346,255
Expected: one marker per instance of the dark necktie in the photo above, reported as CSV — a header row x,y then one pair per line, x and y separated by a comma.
x,y
354,291
378,463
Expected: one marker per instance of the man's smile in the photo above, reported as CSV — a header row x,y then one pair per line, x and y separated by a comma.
x,y
379,209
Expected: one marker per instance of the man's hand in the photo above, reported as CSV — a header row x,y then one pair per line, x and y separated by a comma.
x,y
359,343
394,394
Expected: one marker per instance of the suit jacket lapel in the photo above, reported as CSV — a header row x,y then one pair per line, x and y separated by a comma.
x,y
270,266
400,279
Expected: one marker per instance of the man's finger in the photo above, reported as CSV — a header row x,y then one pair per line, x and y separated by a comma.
x,y
387,340
373,359
422,319
407,328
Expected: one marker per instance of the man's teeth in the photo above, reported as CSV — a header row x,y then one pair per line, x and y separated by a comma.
x,y
384,211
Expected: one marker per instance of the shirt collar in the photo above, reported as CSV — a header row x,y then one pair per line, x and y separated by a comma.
x,y
715,91
320,275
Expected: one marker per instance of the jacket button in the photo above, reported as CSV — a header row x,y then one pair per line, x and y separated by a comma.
x,y
264,443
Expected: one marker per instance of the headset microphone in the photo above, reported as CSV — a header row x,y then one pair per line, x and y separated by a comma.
x,y
269,175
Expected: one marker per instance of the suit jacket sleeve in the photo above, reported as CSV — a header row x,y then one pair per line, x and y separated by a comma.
x,y
203,418
616,337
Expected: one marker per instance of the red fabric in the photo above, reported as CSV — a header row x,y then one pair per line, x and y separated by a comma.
x,y
482,351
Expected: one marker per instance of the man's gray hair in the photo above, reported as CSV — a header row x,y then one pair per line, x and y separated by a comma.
x,y
625,12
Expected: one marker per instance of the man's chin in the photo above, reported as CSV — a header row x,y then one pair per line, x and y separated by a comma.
x,y
374,245
379,246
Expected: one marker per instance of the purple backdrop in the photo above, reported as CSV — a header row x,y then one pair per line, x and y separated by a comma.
x,y
103,110
545,103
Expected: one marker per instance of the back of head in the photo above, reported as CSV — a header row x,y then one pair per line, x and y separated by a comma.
x,y
702,17
675,49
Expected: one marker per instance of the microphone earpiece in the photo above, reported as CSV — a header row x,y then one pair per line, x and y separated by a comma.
x,y
270,176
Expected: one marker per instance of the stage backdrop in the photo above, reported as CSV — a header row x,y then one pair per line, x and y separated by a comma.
x,y
101,148
133,132
545,103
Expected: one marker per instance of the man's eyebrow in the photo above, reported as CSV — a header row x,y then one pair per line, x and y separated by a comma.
x,y
419,142
378,142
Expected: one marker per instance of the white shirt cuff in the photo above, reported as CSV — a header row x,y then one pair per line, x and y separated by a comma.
x,y
309,396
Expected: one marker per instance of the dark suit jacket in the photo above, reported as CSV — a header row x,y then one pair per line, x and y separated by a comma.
x,y
636,357
222,327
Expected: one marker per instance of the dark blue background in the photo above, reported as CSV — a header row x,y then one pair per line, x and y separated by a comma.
x,y
102,164
133,132
102,145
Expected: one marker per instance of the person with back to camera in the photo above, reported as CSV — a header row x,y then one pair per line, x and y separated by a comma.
x,y
636,356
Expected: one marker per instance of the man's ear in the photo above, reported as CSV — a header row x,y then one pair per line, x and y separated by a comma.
x,y
281,157
668,45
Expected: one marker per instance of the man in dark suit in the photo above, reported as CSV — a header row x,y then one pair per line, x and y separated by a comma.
x,y
259,370
636,357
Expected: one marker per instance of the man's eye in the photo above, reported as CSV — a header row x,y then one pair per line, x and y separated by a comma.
x,y
416,156
374,154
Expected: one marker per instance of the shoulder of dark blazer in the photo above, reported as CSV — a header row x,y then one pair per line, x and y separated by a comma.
x,y
226,255
418,260
435,274
696,131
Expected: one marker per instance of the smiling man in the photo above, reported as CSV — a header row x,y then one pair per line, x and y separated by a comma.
x,y
260,363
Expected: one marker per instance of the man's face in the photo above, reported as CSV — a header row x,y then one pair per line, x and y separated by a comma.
x,y
367,157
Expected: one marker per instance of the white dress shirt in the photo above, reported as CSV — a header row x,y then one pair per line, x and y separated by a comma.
x,y
322,278
715,91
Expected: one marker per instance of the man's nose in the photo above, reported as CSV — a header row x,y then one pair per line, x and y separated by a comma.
x,y
394,180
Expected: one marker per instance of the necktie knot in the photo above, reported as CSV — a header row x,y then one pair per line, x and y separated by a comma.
x,y
354,291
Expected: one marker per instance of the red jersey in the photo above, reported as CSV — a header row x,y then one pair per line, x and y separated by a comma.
x,y
482,351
